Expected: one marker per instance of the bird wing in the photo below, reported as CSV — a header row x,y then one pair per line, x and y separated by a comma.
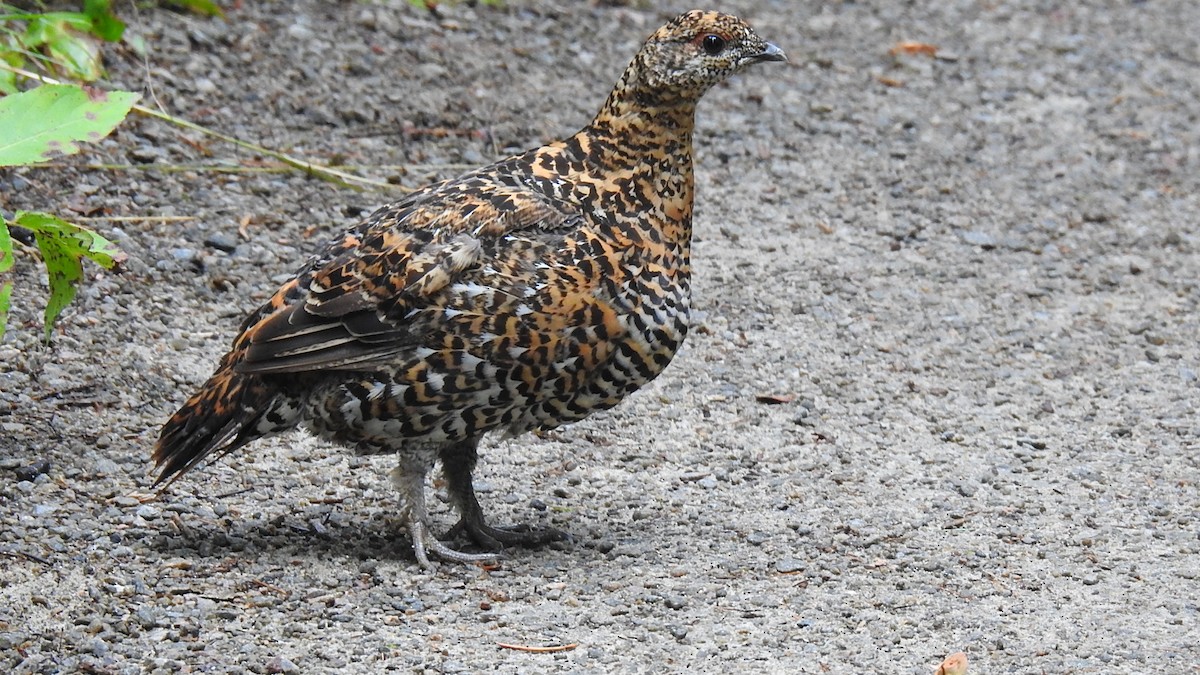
x,y
360,304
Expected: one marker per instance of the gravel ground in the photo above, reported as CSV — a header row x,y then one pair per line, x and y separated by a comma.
x,y
941,395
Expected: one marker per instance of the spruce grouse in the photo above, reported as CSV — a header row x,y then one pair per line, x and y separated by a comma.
x,y
516,297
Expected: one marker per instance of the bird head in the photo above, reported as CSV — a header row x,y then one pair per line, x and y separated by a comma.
x,y
696,50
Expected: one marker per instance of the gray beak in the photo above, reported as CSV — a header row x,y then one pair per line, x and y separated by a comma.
x,y
770,53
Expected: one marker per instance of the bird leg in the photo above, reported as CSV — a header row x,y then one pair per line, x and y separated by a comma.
x,y
458,463
409,479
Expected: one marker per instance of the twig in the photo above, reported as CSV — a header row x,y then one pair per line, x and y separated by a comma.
x,y
271,587
134,219
333,175
538,650
223,495
27,556
180,526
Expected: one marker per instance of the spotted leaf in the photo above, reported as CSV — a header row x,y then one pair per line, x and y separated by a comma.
x,y
53,119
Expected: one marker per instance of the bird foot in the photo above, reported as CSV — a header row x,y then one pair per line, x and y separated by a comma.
x,y
497,538
425,543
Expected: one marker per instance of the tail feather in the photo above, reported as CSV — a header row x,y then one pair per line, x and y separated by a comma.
x,y
224,415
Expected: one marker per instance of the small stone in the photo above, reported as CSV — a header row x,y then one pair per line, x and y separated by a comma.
x,y
299,32
221,242
10,640
32,471
145,154
675,601
789,566
281,664
977,238
183,255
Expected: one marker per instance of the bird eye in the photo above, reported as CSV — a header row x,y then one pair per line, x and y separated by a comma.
x,y
713,44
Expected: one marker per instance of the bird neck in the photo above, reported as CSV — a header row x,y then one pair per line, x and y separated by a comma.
x,y
639,148
637,113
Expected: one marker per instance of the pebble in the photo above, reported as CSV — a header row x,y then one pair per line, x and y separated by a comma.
x,y
221,242
757,538
964,488
282,665
145,154
789,565
299,32
977,238
32,471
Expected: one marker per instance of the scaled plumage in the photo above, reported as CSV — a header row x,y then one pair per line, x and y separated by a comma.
x,y
519,296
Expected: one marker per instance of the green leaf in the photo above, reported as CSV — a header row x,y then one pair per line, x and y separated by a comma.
x,y
6,263
10,53
6,252
65,36
64,246
5,303
105,24
41,28
203,7
52,119
83,242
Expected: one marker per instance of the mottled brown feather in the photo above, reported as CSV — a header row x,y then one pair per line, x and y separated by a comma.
x,y
522,295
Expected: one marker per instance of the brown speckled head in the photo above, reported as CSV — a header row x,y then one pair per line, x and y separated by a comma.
x,y
696,50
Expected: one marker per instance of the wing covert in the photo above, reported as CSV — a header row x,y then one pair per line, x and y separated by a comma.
x,y
353,307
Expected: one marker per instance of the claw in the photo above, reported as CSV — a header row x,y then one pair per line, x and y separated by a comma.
x,y
497,538
424,543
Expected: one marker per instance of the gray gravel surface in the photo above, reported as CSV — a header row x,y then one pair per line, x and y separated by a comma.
x,y
966,284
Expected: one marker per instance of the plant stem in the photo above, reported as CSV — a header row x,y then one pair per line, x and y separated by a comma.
x,y
325,173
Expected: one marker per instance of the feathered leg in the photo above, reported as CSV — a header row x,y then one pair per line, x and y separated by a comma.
x,y
409,479
458,463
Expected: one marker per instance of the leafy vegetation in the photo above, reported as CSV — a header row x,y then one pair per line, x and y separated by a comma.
x,y
50,121
66,44
63,247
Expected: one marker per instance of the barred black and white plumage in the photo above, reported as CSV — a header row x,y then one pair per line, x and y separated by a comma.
x,y
519,296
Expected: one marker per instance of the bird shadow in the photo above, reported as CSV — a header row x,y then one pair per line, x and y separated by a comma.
x,y
378,537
